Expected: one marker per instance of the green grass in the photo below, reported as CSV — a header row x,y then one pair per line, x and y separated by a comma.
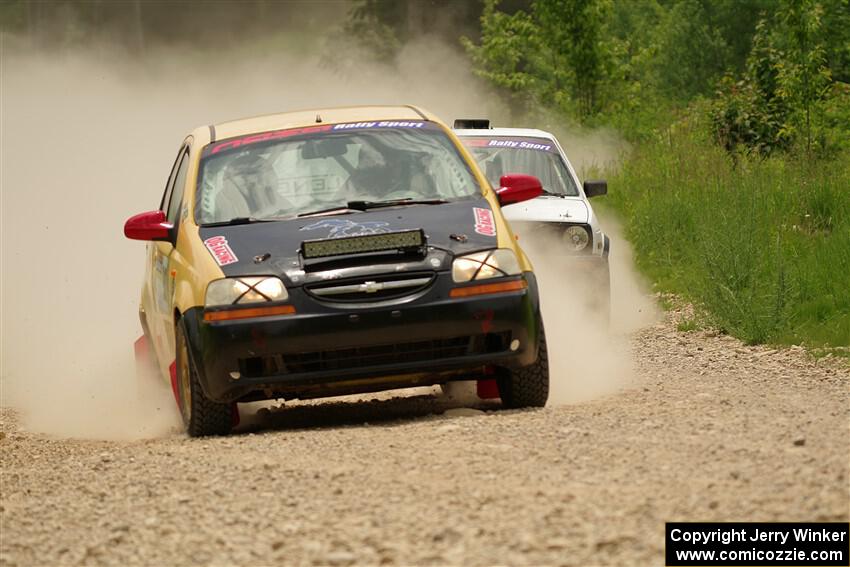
x,y
688,325
761,247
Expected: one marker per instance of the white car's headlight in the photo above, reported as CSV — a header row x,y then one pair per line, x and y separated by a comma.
x,y
242,290
485,265
576,237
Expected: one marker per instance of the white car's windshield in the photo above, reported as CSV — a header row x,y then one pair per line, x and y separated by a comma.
x,y
498,155
287,173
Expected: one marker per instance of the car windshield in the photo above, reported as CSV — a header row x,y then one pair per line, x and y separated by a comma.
x,y
532,156
286,173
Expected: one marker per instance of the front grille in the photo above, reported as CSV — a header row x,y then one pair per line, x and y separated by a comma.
x,y
378,288
376,355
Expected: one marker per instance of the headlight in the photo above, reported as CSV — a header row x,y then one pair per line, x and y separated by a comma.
x,y
239,291
576,237
484,265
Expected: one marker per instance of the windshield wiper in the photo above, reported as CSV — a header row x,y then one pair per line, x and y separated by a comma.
x,y
366,205
336,210
237,220
360,206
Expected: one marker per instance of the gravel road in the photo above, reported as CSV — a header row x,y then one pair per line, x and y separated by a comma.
x,y
710,431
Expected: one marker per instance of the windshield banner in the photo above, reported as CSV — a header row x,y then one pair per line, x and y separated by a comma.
x,y
537,144
234,143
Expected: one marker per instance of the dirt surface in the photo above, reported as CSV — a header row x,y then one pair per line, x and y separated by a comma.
x,y
710,431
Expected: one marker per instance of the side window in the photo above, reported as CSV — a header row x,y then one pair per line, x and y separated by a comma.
x,y
179,185
169,185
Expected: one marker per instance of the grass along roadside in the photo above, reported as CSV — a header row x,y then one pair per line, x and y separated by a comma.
x,y
762,248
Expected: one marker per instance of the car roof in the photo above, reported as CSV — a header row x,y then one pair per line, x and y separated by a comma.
x,y
308,117
494,132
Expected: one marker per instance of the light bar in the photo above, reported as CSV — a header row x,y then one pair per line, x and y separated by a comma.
x,y
367,243
485,289
231,314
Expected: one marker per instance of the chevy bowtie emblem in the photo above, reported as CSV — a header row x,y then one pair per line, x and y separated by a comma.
x,y
371,287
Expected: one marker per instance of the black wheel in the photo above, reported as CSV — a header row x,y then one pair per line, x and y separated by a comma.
x,y
526,387
201,416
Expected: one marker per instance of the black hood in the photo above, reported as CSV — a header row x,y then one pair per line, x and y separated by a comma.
x,y
272,248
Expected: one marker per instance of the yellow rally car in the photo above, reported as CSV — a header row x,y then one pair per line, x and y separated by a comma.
x,y
330,252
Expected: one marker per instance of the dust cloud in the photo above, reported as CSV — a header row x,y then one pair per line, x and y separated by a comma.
x,y
588,350
87,140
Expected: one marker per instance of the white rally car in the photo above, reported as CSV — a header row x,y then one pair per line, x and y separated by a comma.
x,y
562,212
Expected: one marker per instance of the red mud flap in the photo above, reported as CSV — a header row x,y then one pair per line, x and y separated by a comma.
x,y
145,366
141,351
487,389
172,373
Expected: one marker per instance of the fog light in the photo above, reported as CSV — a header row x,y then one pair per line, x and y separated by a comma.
x,y
515,344
235,375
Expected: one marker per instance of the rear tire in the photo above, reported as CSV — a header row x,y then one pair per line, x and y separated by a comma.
x,y
201,416
526,387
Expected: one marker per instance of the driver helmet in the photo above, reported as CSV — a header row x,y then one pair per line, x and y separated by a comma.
x,y
374,175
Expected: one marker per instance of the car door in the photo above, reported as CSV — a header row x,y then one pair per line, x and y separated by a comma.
x,y
162,280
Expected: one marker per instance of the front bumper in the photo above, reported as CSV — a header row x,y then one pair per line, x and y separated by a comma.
x,y
331,349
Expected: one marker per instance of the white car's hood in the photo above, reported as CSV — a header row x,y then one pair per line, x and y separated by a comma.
x,y
548,209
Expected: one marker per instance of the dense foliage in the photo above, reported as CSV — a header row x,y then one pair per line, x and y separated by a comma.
x,y
771,66
737,193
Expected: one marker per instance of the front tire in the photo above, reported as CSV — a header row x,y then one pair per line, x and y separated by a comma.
x,y
526,387
201,416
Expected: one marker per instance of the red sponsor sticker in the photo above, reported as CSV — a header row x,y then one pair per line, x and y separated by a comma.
x,y
265,137
484,221
220,249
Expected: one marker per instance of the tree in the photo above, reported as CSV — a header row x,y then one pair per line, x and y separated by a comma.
x,y
509,55
554,55
691,53
787,81
803,76
574,32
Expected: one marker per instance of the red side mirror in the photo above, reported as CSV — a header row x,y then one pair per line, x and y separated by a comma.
x,y
517,187
148,226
